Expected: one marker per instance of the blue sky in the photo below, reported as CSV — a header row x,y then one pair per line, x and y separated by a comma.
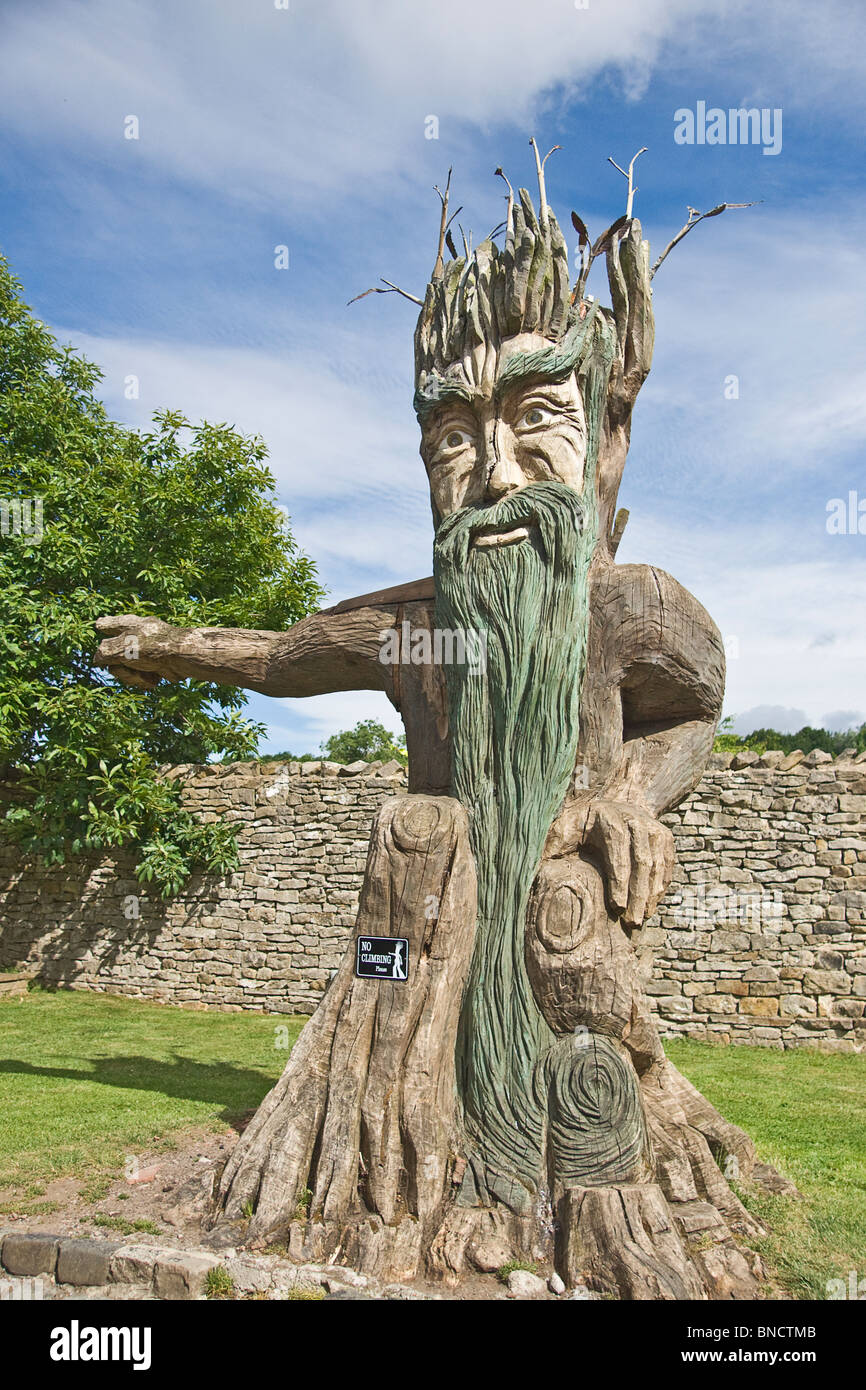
x,y
305,127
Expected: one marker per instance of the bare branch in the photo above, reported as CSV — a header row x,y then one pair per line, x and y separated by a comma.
x,y
499,174
392,289
496,230
396,289
449,240
439,266
539,168
630,176
694,218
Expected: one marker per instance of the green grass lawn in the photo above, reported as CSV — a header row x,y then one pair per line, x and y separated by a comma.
x,y
87,1078
806,1112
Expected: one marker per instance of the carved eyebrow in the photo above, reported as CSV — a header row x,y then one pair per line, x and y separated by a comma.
x,y
526,387
544,368
521,370
444,393
436,428
556,361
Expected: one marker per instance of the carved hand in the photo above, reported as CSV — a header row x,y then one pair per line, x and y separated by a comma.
x,y
637,854
135,650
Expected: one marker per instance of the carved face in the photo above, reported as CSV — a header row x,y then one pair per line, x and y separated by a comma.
x,y
509,433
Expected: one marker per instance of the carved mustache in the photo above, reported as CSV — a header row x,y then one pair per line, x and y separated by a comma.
x,y
545,509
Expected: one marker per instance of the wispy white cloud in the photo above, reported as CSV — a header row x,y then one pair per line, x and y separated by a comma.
x,y
309,117
771,299
770,608
224,97
224,93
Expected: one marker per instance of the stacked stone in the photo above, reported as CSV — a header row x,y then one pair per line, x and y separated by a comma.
x,y
762,935
761,938
267,937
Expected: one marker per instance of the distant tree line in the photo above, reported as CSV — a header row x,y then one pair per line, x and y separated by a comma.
x,y
368,742
805,739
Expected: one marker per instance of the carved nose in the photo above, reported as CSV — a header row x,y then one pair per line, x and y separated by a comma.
x,y
504,477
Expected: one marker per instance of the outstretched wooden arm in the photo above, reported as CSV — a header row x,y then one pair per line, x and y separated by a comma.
x,y
320,654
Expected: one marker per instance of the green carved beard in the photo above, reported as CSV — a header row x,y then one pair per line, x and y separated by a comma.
x,y
514,728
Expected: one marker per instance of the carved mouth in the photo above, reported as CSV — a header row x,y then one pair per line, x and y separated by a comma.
x,y
487,536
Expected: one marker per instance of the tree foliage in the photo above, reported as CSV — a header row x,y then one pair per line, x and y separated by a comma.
x,y
805,739
368,741
178,522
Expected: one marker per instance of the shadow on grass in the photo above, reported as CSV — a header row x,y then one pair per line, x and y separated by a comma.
x,y
236,1089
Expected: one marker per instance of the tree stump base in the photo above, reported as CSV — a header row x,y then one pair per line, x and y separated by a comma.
x,y
629,1242
357,1155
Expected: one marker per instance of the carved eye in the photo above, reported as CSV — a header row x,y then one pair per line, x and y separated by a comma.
x,y
533,417
456,439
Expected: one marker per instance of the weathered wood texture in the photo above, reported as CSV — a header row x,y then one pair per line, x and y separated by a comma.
x,y
353,1119
651,691
364,1123
364,1116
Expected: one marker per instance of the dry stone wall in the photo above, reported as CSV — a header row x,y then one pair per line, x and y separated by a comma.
x,y
762,935
761,938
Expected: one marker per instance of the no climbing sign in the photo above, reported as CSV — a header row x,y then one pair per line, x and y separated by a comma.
x,y
382,958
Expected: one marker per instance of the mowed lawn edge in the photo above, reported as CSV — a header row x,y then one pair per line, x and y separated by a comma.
x,y
806,1111
86,1079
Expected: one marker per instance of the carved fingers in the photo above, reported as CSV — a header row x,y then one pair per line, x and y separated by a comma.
x,y
133,649
637,854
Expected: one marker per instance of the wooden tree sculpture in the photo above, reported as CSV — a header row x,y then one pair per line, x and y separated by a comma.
x,y
511,1093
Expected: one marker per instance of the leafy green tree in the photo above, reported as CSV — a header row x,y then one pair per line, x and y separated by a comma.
x,y
368,740
95,518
